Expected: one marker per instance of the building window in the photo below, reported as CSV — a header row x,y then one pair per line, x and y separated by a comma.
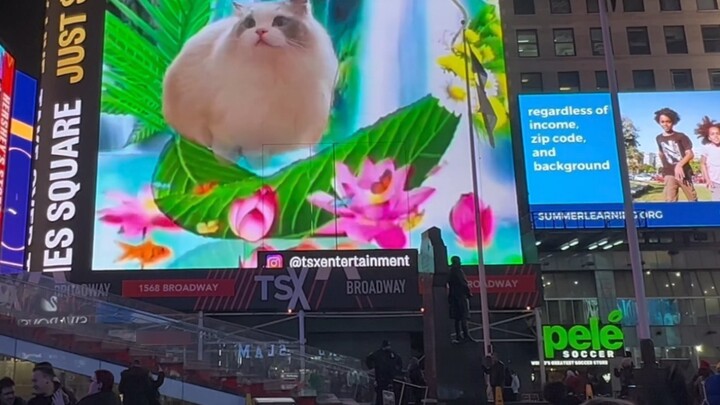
x,y
569,312
633,5
675,41
527,41
531,82
711,37
714,79
593,6
644,79
670,5
569,81
596,42
682,79
601,80
524,7
569,284
564,39
638,40
707,4
560,7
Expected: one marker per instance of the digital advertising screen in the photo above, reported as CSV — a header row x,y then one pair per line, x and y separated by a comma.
x,y
672,142
269,126
16,201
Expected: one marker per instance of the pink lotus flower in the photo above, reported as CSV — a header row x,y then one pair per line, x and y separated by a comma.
x,y
373,206
252,218
462,221
136,216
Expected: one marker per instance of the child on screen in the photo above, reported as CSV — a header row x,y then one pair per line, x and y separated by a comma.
x,y
709,133
675,154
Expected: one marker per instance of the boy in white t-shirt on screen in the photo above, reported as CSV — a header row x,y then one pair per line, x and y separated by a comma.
x,y
710,160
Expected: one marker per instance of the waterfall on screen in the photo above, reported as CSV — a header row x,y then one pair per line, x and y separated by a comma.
x,y
392,39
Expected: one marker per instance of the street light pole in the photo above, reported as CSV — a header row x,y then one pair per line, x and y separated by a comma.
x,y
643,327
484,308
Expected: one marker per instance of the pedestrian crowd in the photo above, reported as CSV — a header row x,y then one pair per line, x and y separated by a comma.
x,y
136,387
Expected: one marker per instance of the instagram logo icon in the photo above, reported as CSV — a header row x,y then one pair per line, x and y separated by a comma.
x,y
274,262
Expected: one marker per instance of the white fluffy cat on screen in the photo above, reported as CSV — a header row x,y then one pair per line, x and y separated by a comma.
x,y
258,82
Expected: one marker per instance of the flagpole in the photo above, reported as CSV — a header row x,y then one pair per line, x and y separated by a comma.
x,y
643,327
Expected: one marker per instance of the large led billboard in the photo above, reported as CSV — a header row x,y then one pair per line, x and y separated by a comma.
x,y
223,128
672,142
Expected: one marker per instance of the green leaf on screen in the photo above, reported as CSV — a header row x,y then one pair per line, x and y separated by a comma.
x,y
138,50
417,135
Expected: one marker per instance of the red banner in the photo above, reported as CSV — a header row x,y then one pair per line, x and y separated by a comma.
x,y
505,284
178,288
6,92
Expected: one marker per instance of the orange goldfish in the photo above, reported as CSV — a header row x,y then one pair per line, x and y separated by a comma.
x,y
147,253
205,188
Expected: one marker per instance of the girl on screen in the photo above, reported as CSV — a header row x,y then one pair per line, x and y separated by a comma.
x,y
709,133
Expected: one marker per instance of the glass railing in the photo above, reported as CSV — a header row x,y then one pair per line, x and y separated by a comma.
x,y
217,355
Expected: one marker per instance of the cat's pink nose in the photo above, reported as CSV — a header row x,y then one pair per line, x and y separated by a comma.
x,y
261,31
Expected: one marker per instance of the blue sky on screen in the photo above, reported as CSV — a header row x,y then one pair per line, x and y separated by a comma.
x,y
691,105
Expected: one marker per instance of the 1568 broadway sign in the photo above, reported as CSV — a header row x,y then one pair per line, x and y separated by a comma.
x,y
593,341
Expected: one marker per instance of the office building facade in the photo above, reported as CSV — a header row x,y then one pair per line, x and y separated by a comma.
x,y
555,46
659,45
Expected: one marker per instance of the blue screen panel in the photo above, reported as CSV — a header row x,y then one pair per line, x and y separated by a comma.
x,y
19,171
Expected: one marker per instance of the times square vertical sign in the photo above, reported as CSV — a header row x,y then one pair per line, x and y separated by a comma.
x,y
67,136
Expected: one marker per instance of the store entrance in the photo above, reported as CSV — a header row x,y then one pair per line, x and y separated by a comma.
x,y
600,377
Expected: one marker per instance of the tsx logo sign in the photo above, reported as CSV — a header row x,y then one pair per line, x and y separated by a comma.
x,y
285,287
289,287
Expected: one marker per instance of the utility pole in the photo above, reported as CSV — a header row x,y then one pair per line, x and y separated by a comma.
x,y
643,325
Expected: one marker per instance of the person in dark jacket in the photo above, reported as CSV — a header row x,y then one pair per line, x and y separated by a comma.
x,y
387,365
496,370
58,385
47,390
626,376
417,379
459,300
101,390
7,393
678,386
156,384
137,387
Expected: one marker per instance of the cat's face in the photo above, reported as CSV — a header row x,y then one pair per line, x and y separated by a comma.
x,y
286,24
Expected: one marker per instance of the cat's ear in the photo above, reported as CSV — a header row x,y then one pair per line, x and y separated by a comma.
x,y
239,8
299,6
